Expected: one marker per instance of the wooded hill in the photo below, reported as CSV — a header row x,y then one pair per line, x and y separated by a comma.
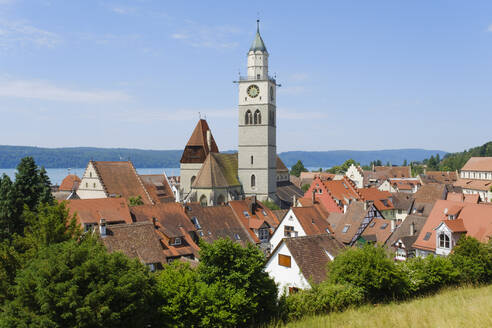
x,y
455,161
75,157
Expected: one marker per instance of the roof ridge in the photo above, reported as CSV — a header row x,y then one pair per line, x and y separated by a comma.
x,y
141,183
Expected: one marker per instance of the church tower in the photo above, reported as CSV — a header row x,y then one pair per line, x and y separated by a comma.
x,y
257,145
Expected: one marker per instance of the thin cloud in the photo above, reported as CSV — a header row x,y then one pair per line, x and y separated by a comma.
x,y
122,10
298,77
33,89
20,33
490,28
293,90
203,36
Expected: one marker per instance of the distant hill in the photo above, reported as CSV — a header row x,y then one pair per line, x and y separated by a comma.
x,y
331,158
79,156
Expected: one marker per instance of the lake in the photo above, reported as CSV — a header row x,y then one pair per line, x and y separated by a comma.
x,y
57,175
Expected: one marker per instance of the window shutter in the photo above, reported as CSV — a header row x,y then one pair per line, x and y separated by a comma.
x,y
284,260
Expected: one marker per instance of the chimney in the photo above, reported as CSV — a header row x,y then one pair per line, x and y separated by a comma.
x,y
253,204
102,227
345,208
392,225
373,168
209,140
365,206
294,201
412,229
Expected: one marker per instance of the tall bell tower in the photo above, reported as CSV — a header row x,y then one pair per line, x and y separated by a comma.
x,y
257,147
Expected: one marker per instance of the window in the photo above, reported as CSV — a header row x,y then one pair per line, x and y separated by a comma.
x,y
94,185
195,222
246,214
86,185
271,93
427,235
237,237
284,260
203,200
251,159
90,174
443,240
175,242
248,118
263,234
345,228
288,230
257,76
293,290
253,181
372,224
264,213
384,226
257,117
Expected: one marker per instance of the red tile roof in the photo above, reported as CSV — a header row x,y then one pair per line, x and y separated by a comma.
x,y
343,190
90,211
455,225
71,182
379,228
483,164
474,184
476,218
158,187
312,221
121,179
382,199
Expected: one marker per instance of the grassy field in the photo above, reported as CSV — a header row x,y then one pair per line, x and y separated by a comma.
x,y
460,307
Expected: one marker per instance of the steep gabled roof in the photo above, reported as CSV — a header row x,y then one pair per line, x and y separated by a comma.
x,y
379,228
258,44
349,224
138,240
218,171
474,184
120,179
403,230
402,201
382,199
197,149
311,254
158,187
430,192
281,166
445,177
483,164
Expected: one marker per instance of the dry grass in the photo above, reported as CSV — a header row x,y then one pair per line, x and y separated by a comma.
x,y
460,307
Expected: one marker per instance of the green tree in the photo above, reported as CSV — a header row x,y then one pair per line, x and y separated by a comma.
x,y
10,209
342,168
240,292
371,269
135,201
305,187
298,168
474,260
73,284
405,163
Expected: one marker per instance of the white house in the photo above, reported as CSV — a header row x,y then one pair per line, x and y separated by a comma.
x,y
299,261
356,174
299,222
476,178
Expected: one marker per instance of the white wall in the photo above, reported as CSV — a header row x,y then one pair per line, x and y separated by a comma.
x,y
354,175
90,186
283,276
289,220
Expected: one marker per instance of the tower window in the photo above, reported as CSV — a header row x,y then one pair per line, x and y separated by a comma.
x,y
251,160
253,181
271,93
248,118
257,117
257,76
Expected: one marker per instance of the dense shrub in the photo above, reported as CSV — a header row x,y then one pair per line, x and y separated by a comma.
x,y
473,259
322,298
371,269
429,274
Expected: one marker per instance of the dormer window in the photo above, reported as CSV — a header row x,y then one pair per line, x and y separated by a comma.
x,y
263,234
443,240
175,241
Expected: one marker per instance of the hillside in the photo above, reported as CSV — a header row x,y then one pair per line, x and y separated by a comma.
x,y
462,307
455,161
79,156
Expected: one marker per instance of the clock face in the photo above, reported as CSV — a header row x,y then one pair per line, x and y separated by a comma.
x,y
253,91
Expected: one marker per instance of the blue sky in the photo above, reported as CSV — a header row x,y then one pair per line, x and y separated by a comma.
x,y
355,74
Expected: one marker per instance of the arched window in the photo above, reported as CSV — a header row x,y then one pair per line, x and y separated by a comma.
x,y
443,240
203,200
192,180
248,118
251,159
253,181
257,117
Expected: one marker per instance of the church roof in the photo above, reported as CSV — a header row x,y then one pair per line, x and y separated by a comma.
x,y
197,149
258,44
218,171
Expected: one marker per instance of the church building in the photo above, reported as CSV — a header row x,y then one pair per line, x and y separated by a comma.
x,y
213,178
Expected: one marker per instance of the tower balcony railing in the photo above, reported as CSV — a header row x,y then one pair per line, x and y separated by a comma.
x,y
255,78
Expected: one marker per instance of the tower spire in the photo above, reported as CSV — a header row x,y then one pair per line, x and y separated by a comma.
x,y
258,26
